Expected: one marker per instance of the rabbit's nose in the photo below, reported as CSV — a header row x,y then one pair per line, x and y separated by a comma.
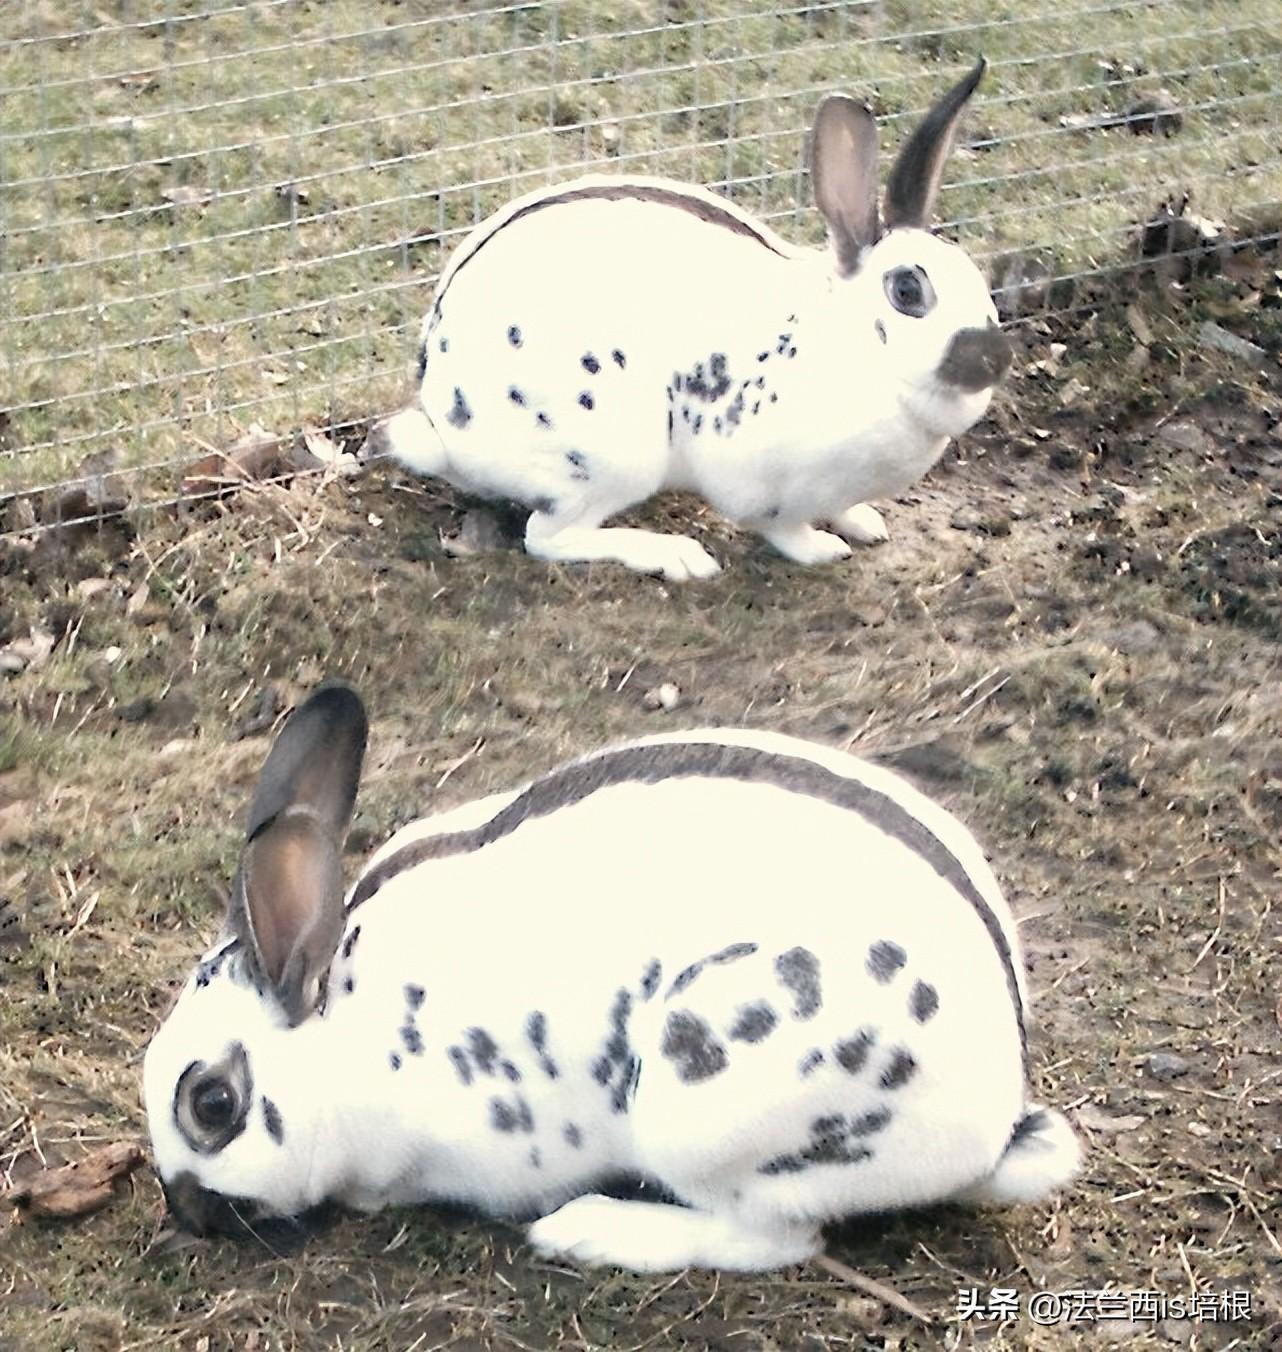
x,y
976,359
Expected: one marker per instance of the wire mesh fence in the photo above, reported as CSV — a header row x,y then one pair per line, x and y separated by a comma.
x,y
218,214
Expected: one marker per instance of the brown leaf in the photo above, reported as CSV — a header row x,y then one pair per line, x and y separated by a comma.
x,y
76,1189
257,455
1094,1120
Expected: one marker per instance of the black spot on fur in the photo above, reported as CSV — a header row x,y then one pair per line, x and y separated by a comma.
x,y
763,356
349,942
901,1069
462,1067
881,329
689,1043
785,340
272,1121
483,1048
851,1053
578,466
709,382
774,398
756,408
394,1060
830,1143
586,400
511,1116
669,423
617,1045
414,996
422,361
602,1069
412,1039
735,411
444,345
1028,1125
536,1029
716,423
590,363
923,1002
792,352
884,960
573,1136
811,1062
543,420
349,985
698,423
536,1160
510,1071
722,956
868,1123
760,382
618,358
514,336
753,1022
516,396
798,972
650,978
683,979
459,415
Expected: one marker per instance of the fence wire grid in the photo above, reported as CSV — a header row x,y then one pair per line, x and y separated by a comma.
x,y
220,214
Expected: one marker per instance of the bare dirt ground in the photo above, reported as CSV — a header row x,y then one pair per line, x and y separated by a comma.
x,y
1073,639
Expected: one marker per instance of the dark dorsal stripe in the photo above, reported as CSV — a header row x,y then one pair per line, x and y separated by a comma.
x,y
714,760
711,212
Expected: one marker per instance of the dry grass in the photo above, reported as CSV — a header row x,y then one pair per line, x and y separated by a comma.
x,y
1073,639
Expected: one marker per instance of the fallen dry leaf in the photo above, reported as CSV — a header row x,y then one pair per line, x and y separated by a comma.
x,y
1094,1120
76,1189
259,454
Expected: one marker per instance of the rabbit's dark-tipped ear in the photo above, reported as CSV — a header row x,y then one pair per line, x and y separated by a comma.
x,y
287,904
843,170
914,181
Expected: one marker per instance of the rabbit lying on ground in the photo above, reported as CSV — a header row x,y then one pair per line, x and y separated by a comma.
x,y
768,980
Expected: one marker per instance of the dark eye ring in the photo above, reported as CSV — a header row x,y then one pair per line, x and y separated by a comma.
x,y
213,1104
909,291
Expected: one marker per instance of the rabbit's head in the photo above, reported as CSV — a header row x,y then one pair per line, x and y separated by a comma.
x,y
922,297
235,1078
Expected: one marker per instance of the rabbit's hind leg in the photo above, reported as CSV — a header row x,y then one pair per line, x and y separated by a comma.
x,y
660,1237
568,529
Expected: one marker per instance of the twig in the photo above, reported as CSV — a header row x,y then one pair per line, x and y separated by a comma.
x,y
878,1290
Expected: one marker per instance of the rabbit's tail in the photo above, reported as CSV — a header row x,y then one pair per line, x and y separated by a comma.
x,y
410,438
1041,1156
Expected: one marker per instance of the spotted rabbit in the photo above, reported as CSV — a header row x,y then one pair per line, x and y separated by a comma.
x,y
768,981
599,340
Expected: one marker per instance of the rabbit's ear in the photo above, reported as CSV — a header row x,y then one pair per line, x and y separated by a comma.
x,y
287,905
843,170
914,181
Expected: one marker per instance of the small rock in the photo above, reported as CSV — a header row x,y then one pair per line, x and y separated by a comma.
x,y
1199,1129
111,655
1139,636
666,697
1167,1066
1214,336
1184,436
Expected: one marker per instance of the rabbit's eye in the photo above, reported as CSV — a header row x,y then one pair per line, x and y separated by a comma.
x,y
909,291
213,1105
211,1102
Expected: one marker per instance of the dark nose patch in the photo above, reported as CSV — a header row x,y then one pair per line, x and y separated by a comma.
x,y
203,1212
976,359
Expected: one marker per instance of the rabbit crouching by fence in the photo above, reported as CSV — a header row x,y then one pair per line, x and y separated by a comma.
x,y
602,339
770,980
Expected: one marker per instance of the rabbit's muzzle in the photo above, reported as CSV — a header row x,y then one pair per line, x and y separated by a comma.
x,y
202,1212
976,359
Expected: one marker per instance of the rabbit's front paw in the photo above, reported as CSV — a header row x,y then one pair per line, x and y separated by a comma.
x,y
805,544
861,525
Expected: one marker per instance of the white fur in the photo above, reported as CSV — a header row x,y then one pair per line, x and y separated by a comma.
x,y
850,408
562,914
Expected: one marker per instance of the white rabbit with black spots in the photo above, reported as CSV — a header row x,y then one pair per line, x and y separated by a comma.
x,y
599,340
768,980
